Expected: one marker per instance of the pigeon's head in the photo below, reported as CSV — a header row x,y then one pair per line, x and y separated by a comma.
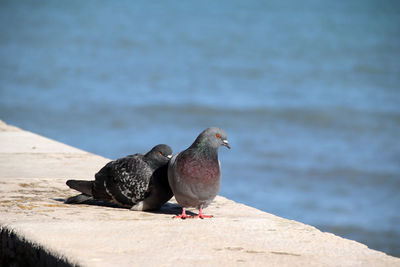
x,y
214,137
160,153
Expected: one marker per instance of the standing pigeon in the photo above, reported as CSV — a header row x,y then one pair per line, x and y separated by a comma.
x,y
195,173
136,181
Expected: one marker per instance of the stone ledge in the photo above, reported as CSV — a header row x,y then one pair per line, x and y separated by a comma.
x,y
17,251
36,225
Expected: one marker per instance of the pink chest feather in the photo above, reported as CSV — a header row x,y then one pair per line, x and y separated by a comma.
x,y
206,171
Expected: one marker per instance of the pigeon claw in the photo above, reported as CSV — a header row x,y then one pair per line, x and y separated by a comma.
x,y
202,216
183,215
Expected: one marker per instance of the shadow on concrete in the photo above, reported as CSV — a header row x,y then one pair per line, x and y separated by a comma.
x,y
168,208
171,208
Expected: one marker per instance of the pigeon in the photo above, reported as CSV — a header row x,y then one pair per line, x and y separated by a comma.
x,y
194,174
136,181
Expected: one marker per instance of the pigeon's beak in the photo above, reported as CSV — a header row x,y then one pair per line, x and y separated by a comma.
x,y
169,156
225,143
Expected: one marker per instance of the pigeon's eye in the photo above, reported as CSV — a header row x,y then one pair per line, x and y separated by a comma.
x,y
159,152
218,135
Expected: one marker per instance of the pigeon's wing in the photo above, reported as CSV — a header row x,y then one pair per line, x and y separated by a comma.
x,y
101,178
125,180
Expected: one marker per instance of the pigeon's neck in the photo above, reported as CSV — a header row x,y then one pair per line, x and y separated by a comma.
x,y
202,149
152,162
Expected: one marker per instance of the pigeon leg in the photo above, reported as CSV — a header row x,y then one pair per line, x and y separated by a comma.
x,y
183,215
201,215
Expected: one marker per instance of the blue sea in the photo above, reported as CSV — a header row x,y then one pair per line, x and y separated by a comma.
x,y
307,91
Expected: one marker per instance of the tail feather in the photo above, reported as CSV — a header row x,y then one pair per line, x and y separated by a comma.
x,y
78,199
82,186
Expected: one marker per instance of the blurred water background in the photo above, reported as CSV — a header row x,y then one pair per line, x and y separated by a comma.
x,y
308,92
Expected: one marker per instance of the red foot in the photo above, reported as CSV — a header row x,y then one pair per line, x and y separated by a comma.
x,y
201,215
183,215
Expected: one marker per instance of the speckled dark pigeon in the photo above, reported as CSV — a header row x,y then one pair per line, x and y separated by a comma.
x,y
136,181
195,173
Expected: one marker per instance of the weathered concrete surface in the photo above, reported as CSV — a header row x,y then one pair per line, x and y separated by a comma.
x,y
33,171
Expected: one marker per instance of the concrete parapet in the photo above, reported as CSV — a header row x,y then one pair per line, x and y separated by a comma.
x,y
38,229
